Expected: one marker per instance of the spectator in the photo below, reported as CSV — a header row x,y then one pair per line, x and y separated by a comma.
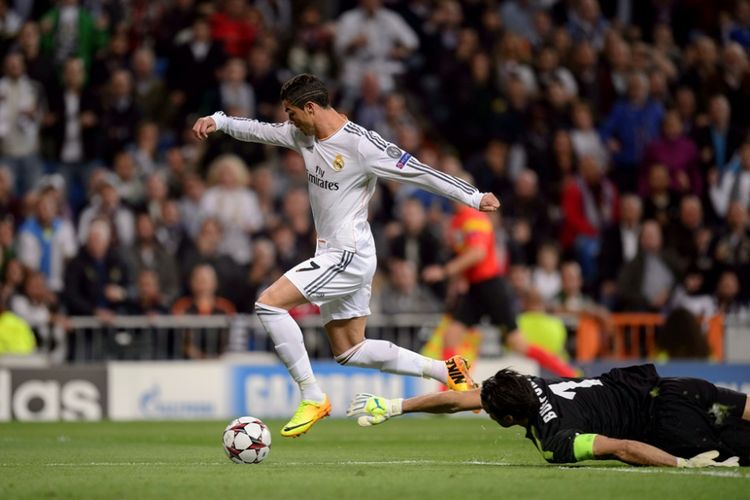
x,y
732,246
704,76
310,50
232,26
150,88
234,205
20,119
263,271
46,242
114,57
7,245
373,39
719,139
205,250
156,195
297,215
646,282
660,202
416,242
404,294
740,30
732,186
728,300
120,114
692,295
202,301
631,125
369,109
619,245
200,57
545,276
234,95
171,232
128,182
264,80
37,305
39,66
106,205
526,206
69,30
586,141
589,205
72,126
97,279
190,203
681,234
148,300
489,169
145,151
682,337
10,204
586,23
678,153
736,82
148,253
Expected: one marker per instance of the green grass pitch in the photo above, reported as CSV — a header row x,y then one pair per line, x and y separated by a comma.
x,y
429,458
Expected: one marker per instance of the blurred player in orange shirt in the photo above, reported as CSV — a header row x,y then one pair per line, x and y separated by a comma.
x,y
473,241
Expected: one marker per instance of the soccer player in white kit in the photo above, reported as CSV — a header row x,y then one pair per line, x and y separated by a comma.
x,y
343,162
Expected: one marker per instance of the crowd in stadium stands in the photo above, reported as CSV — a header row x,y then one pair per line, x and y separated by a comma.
x,y
615,133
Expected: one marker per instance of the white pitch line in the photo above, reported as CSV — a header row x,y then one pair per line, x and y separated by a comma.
x,y
635,470
584,468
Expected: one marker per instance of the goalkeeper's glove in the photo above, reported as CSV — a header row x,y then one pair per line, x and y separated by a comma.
x,y
373,410
708,459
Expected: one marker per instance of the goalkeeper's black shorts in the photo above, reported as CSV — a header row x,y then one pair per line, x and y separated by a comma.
x,y
690,416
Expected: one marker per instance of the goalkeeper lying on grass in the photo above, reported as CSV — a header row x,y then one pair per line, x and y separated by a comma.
x,y
629,414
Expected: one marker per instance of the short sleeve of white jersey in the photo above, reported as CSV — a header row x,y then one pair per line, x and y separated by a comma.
x,y
388,161
249,130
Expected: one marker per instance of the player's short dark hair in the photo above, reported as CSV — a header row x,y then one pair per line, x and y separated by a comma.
x,y
305,88
508,393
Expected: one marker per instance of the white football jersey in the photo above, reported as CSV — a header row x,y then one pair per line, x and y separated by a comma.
x,y
342,172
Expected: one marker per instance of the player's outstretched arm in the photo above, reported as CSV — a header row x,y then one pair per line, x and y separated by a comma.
x,y
246,129
638,453
373,410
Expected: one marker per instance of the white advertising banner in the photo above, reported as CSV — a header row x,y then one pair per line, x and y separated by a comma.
x,y
171,390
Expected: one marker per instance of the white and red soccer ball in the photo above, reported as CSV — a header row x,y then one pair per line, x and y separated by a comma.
x,y
247,440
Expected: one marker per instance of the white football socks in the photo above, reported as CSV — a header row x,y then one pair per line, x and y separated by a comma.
x,y
388,357
287,339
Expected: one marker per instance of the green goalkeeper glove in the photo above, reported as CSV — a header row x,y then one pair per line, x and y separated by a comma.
x,y
708,459
373,410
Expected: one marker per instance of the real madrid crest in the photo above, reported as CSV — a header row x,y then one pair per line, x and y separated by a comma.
x,y
338,163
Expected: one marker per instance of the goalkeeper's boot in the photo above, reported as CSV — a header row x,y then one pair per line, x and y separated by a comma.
x,y
306,415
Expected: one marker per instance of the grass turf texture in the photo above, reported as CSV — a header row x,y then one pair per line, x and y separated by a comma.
x,y
406,458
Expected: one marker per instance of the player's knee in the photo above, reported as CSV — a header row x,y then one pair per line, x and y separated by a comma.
x,y
262,307
343,356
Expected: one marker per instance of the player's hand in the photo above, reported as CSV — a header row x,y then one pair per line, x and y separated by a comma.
x,y
203,127
708,459
489,203
373,410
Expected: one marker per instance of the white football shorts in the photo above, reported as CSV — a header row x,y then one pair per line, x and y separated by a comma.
x,y
337,281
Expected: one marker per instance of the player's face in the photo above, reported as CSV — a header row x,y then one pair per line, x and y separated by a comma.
x,y
299,118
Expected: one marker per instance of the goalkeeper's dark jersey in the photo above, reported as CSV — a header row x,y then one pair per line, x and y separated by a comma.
x,y
572,411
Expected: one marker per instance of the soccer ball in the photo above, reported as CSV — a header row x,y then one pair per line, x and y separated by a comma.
x,y
247,440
